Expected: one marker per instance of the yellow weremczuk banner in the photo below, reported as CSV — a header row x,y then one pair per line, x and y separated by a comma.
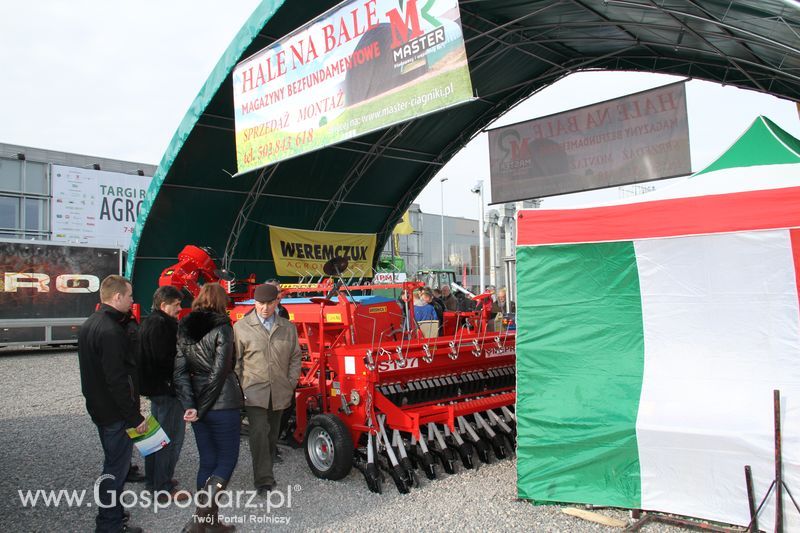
x,y
299,252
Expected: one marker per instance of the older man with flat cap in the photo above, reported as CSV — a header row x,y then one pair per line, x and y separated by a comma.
x,y
268,366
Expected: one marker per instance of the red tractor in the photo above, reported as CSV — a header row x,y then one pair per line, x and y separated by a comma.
x,y
379,391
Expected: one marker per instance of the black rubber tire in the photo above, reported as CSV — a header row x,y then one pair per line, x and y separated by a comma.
x,y
339,443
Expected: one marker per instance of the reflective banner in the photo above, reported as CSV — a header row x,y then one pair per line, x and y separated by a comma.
x,y
52,280
640,137
303,252
362,66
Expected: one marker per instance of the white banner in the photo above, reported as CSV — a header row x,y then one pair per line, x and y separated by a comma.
x,y
388,277
95,206
636,138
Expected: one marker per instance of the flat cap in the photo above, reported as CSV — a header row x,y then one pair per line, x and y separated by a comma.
x,y
266,293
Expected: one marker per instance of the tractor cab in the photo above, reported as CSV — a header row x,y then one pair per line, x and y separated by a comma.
x,y
436,279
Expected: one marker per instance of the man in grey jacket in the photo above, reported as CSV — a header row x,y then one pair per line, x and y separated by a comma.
x,y
268,363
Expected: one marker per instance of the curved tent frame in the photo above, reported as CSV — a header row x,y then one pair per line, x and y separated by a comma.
x,y
515,48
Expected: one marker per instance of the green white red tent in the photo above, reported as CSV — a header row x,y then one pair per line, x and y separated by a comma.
x,y
651,334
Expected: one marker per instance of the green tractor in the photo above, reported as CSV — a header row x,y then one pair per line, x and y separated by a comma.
x,y
435,279
390,269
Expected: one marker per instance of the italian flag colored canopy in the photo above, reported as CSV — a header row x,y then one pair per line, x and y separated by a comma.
x,y
651,335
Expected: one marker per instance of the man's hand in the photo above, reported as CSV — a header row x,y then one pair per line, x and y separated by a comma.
x,y
141,428
190,415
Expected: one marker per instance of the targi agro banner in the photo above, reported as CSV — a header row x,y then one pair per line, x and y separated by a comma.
x,y
640,137
359,67
303,252
95,206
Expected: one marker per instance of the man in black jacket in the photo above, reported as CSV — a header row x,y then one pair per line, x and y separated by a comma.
x,y
158,337
108,382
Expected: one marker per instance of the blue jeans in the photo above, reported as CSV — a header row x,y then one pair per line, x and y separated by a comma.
x,y
117,448
159,467
217,437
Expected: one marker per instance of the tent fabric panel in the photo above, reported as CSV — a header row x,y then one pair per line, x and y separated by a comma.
x,y
579,369
206,217
768,209
763,143
795,237
721,330
792,143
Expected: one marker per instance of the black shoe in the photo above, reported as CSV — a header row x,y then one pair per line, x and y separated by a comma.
x,y
131,529
263,490
134,476
277,458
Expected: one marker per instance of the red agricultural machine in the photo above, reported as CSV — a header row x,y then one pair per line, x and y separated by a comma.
x,y
379,391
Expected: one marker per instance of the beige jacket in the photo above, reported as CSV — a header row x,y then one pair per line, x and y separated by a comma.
x,y
268,362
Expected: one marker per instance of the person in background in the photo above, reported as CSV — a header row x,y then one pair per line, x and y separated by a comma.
x,y
158,343
500,305
108,382
438,306
450,302
269,361
423,310
209,391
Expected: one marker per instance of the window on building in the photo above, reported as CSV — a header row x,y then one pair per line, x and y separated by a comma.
x,y
24,199
9,213
35,177
11,175
36,215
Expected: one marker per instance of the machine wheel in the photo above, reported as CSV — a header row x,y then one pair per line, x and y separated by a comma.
x,y
328,447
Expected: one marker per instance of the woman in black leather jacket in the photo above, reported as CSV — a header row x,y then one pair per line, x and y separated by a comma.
x,y
209,391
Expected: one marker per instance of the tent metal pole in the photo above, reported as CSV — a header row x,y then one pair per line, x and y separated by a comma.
x,y
249,203
776,400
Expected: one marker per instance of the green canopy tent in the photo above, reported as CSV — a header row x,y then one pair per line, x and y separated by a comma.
x,y
365,184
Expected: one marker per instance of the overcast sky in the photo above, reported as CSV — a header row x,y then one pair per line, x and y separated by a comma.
x,y
114,79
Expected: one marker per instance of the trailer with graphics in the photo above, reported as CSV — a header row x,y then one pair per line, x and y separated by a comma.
x,y
48,289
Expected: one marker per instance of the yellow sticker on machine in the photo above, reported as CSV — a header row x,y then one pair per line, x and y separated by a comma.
x,y
299,285
334,317
378,309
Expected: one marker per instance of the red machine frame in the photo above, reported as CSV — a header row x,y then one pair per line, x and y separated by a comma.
x,y
366,358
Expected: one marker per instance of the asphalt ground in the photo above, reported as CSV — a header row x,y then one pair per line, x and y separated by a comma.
x,y
48,442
